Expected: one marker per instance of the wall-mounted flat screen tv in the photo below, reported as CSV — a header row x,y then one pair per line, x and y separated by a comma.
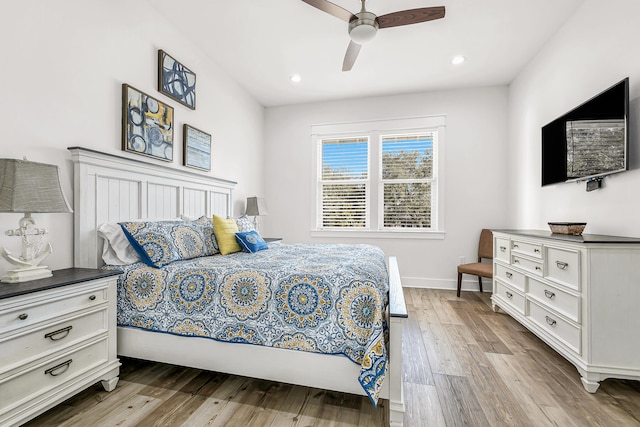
x,y
589,141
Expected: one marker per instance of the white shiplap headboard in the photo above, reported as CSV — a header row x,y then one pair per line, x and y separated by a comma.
x,y
111,188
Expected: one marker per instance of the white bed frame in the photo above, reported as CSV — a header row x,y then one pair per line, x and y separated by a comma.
x,y
110,188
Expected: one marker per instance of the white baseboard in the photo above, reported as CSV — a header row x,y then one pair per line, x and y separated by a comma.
x,y
450,284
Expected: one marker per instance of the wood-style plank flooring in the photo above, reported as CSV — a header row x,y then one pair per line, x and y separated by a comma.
x,y
464,365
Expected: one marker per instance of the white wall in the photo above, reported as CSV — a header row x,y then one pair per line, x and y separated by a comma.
x,y
63,64
596,48
474,173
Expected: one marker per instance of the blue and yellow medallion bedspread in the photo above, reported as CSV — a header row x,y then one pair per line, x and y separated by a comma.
x,y
317,298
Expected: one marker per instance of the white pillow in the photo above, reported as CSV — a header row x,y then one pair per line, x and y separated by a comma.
x,y
116,250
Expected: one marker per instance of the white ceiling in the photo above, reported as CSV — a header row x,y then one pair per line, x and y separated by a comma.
x,y
262,42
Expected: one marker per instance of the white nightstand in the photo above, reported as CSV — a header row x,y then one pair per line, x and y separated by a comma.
x,y
58,337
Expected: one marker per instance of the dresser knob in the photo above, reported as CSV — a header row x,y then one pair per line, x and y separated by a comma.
x,y
509,295
509,275
92,297
503,249
23,316
562,265
550,321
549,294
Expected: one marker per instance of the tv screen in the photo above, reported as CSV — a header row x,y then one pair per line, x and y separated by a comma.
x,y
589,141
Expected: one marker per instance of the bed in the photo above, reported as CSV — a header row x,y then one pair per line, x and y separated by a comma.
x,y
110,189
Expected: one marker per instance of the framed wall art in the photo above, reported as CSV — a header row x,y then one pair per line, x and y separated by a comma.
x,y
175,80
147,125
197,148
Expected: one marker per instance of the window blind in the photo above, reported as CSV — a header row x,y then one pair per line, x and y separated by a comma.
x,y
344,180
407,178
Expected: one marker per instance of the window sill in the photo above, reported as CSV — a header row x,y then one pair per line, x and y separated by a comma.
x,y
371,234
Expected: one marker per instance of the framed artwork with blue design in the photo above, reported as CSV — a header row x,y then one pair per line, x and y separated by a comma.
x,y
197,148
147,125
175,80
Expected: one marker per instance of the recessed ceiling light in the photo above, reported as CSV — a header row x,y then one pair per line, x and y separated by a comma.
x,y
295,78
458,59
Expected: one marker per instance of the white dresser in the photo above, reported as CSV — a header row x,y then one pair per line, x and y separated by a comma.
x,y
57,337
579,294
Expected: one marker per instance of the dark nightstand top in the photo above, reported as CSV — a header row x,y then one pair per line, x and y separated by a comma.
x,y
272,239
67,276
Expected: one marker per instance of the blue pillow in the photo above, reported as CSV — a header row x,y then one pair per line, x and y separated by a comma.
x,y
250,241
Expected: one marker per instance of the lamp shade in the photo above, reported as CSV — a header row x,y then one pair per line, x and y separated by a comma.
x,y
256,206
30,187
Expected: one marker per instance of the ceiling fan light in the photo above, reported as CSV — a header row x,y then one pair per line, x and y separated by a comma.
x,y
363,27
363,33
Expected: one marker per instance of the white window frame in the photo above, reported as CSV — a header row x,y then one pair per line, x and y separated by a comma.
x,y
375,129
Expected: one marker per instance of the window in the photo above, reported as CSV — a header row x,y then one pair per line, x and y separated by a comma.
x,y
378,177
344,182
407,179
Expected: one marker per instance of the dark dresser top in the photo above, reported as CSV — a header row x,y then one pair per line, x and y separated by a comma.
x,y
584,238
67,276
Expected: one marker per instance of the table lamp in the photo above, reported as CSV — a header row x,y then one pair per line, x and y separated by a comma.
x,y
256,207
29,187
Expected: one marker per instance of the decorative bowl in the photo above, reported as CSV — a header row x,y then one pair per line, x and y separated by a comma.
x,y
572,228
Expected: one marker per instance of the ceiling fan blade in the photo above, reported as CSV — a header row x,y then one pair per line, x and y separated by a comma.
x,y
331,9
350,57
411,16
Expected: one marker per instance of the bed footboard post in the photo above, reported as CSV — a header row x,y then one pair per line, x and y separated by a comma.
x,y
397,317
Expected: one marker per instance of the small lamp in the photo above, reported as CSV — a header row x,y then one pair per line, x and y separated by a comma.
x,y
256,207
29,187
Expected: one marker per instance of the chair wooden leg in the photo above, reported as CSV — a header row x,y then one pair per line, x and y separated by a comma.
x,y
459,283
480,282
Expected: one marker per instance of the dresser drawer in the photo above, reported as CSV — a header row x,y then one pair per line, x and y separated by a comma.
x,y
34,343
559,328
502,249
37,380
510,296
508,275
33,310
556,299
527,248
563,266
535,267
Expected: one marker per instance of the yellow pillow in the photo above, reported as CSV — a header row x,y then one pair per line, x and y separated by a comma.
x,y
225,231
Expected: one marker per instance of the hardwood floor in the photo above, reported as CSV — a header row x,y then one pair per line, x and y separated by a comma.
x,y
464,365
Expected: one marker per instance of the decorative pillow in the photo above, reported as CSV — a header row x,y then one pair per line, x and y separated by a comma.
x,y
206,227
251,241
161,243
245,224
225,231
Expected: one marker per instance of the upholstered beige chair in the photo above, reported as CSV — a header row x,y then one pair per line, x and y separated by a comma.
x,y
480,269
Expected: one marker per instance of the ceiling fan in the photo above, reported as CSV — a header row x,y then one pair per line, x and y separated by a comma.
x,y
364,25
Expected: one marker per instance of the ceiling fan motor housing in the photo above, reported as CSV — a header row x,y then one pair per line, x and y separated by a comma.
x,y
363,27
